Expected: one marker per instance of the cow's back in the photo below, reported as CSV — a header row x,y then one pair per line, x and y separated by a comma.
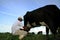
x,y
44,13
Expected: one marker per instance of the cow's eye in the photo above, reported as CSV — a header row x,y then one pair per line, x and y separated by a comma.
x,y
28,25
34,24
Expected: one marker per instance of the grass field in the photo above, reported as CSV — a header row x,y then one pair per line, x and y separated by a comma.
x,y
30,36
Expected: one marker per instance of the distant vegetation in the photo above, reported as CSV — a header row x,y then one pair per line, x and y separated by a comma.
x,y
30,36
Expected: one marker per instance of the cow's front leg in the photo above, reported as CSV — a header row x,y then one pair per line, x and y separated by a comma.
x,y
47,29
47,33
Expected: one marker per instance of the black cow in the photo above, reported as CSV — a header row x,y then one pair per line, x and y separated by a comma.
x,y
49,14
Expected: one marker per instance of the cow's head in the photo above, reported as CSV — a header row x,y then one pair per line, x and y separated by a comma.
x,y
31,20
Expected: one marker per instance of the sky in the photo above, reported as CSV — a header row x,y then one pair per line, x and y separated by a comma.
x,y
10,10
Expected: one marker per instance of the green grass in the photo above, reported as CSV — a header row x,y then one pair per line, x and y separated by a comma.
x,y
8,36
34,37
37,37
30,36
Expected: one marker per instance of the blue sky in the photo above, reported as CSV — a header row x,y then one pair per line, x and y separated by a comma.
x,y
11,9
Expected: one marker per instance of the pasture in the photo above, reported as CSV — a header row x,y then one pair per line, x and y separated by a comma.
x,y
30,36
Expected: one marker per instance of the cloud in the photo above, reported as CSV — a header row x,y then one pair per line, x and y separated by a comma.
x,y
11,14
46,2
